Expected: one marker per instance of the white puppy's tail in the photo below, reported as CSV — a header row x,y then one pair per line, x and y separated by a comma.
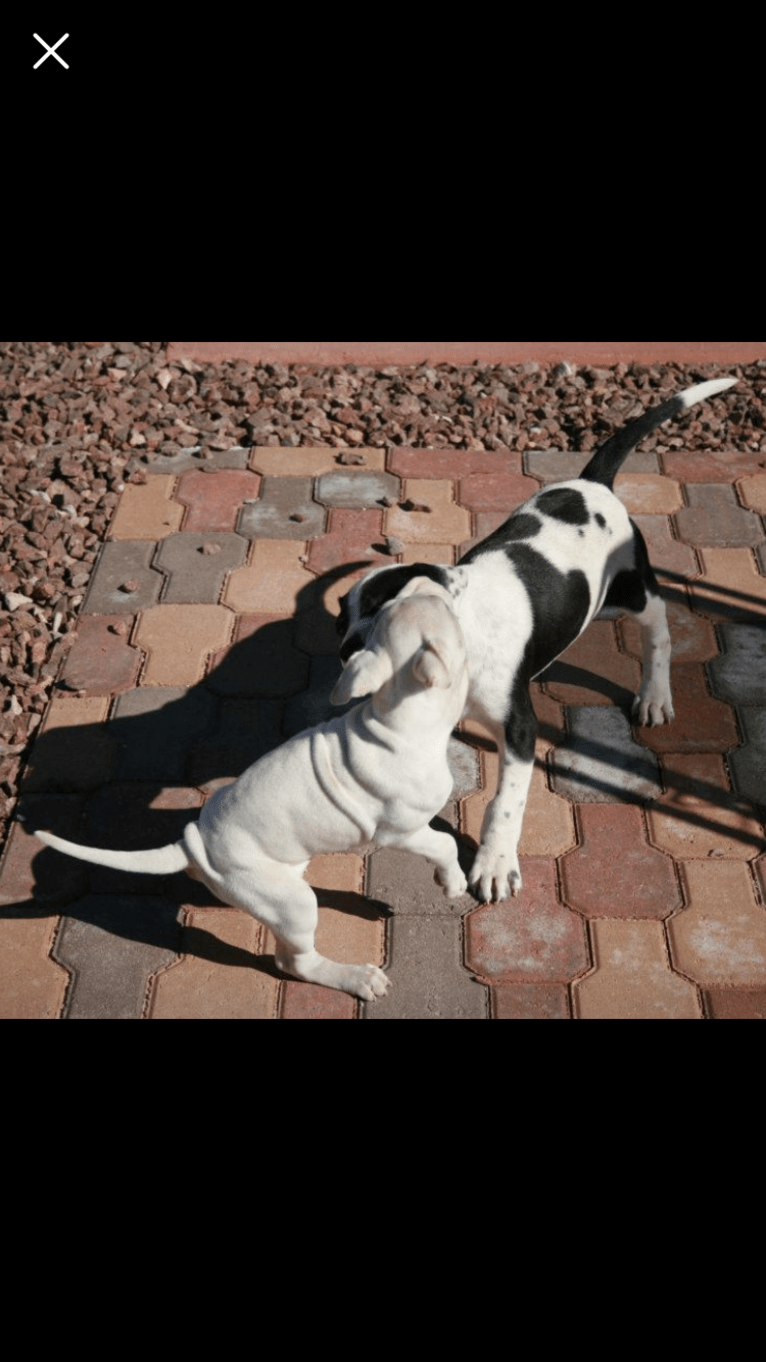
x,y
606,462
161,861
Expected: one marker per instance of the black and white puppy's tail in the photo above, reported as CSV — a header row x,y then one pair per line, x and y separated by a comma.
x,y
608,459
160,861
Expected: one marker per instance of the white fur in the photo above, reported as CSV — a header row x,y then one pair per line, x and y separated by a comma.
x,y
379,773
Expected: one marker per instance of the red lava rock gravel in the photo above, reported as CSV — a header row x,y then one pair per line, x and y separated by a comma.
x,y
80,418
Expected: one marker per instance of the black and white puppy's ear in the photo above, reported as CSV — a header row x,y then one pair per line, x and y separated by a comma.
x,y
364,673
429,666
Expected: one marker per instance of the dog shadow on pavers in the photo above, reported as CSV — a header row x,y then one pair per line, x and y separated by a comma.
x,y
135,780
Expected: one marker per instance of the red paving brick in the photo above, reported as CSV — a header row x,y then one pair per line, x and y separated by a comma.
x,y
639,911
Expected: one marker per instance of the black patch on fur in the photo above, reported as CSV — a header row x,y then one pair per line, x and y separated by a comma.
x,y
560,603
632,586
521,722
385,585
599,519
521,525
351,645
341,622
564,503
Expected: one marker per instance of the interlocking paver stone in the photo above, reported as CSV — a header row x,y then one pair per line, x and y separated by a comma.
x,y
245,731
533,938
407,884
721,937
555,465
442,523
72,750
732,588
752,492
614,873
429,982
286,510
714,516
701,723
548,827
693,639
356,488
33,875
699,816
735,1004
124,563
632,980
647,493
593,670
154,727
739,674
132,816
351,536
197,565
178,640
667,555
111,944
600,762
709,465
452,463
505,488
310,463
748,762
145,510
213,500
530,1002
274,580
261,660
101,661
32,985
220,975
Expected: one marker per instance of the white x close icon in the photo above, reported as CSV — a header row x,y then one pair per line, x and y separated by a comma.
x,y
50,51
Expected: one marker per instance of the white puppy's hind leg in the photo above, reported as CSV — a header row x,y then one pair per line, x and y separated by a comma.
x,y
654,703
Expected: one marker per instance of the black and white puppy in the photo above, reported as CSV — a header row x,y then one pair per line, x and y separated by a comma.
x,y
522,596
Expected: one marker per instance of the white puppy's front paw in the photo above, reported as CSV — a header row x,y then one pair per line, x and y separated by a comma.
x,y
495,877
653,709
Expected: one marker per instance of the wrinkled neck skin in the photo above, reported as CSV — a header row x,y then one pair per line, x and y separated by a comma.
x,y
409,710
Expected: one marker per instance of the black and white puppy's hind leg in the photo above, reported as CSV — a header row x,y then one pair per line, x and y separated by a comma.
x,y
635,591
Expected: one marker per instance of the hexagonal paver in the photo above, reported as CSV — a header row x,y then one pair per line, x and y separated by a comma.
x,y
748,762
307,462
614,873
708,465
178,640
600,762
429,983
506,488
123,580
213,500
548,826
352,536
101,660
275,579
356,488
154,727
667,555
530,1002
111,944
714,516
286,510
221,973
632,979
647,493
593,670
701,723
721,937
145,510
72,750
442,523
739,674
752,492
699,817
452,463
131,816
197,565
533,938
693,639
735,1004
556,465
261,659
732,588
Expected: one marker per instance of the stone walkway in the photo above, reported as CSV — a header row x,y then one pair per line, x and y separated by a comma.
x,y
207,636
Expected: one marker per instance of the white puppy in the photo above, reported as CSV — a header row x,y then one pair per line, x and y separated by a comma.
x,y
522,596
378,773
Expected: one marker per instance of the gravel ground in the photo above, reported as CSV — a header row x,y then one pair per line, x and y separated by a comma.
x,y
80,418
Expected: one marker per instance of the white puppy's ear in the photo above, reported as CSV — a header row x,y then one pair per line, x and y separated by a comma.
x,y
429,666
364,673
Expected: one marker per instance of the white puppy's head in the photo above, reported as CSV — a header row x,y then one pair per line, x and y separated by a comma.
x,y
359,607
414,638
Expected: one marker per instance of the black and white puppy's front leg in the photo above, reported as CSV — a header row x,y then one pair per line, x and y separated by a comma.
x,y
495,874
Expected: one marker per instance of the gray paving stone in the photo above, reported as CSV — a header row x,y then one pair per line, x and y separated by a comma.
x,y
748,762
557,465
405,882
236,457
154,728
356,489
112,944
197,565
739,674
429,982
715,517
281,499
464,766
601,763
121,562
